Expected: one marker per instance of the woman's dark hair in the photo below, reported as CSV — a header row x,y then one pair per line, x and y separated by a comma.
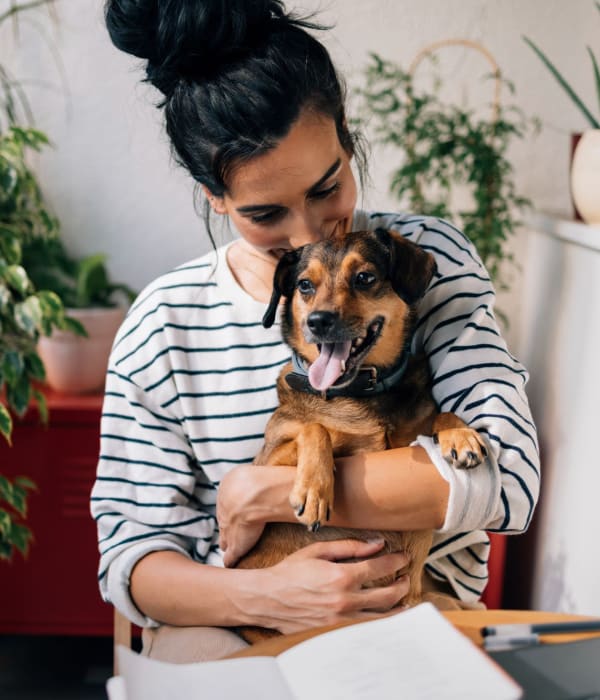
x,y
235,75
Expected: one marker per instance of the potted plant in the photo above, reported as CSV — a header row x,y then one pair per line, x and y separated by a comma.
x,y
443,146
585,166
76,362
26,314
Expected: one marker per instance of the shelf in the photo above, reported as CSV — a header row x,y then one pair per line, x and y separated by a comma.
x,y
568,230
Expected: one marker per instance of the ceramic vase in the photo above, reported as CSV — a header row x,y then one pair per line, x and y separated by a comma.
x,y
585,177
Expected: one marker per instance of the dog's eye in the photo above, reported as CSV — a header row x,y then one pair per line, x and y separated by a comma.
x,y
305,287
364,280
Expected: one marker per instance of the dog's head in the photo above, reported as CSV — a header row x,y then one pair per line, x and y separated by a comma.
x,y
349,301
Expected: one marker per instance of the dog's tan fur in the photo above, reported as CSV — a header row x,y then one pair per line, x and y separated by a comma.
x,y
310,431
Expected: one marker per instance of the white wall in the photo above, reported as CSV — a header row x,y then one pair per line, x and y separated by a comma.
x,y
110,179
559,338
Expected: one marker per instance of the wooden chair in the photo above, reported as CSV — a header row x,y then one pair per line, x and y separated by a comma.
x,y
121,635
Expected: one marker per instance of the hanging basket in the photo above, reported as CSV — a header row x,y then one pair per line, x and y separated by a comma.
x,y
469,44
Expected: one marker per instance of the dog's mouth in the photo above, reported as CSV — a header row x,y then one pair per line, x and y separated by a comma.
x,y
338,362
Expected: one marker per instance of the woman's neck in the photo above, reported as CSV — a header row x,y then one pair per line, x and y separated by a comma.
x,y
252,269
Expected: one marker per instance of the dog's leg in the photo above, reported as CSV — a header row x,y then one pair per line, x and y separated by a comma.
x,y
312,494
460,445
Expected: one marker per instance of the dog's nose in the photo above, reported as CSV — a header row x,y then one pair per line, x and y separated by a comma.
x,y
321,322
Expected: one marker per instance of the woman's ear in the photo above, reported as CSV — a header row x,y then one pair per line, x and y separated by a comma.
x,y
217,204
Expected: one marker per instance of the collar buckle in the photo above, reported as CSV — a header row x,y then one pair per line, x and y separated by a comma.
x,y
371,379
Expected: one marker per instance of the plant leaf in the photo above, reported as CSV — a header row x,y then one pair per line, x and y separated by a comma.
x,y
564,84
596,72
5,523
21,536
92,279
16,277
42,405
19,394
28,315
5,423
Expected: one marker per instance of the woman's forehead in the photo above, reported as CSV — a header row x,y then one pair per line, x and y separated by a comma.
x,y
298,162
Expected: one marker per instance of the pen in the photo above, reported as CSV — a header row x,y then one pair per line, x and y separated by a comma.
x,y
505,643
541,628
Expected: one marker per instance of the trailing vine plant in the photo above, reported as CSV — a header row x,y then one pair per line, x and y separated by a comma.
x,y
443,146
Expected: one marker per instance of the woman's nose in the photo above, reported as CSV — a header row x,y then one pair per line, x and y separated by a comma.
x,y
304,231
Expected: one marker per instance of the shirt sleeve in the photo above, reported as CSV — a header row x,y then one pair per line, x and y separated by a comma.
x,y
144,498
476,377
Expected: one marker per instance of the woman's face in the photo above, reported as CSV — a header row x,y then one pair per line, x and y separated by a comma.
x,y
300,192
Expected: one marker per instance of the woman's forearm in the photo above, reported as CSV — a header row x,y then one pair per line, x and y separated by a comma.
x,y
314,586
398,489
170,588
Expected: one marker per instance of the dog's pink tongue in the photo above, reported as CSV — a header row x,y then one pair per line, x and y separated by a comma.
x,y
327,368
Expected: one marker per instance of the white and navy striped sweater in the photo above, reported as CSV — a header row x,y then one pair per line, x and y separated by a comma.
x,y
191,385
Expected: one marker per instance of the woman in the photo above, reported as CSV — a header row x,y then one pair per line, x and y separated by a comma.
x,y
255,112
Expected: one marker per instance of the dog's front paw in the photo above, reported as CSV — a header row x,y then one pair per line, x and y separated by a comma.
x,y
312,503
461,447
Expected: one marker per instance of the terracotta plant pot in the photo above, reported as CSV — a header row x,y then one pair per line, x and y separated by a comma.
x,y
585,176
76,365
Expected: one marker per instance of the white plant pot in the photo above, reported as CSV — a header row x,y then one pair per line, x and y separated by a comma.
x,y
585,177
76,365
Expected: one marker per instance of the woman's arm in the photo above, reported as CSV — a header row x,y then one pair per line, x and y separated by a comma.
x,y
307,589
397,489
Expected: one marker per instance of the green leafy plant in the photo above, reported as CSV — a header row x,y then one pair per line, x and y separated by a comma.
x,y
443,146
590,118
80,283
25,313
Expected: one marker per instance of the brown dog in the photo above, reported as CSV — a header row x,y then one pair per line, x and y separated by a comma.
x,y
353,385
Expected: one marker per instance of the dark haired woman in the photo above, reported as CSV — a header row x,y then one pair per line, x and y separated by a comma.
x,y
255,112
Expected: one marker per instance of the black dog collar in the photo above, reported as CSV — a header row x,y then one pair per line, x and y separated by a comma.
x,y
369,381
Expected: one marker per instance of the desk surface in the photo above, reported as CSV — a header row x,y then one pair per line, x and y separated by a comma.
x,y
469,622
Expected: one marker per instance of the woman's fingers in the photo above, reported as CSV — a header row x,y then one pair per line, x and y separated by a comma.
x,y
385,565
383,598
339,550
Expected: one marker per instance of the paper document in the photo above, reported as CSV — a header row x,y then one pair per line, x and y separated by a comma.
x,y
416,654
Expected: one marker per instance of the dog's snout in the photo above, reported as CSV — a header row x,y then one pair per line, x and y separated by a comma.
x,y
321,323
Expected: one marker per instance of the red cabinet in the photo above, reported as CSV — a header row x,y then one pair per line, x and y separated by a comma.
x,y
54,590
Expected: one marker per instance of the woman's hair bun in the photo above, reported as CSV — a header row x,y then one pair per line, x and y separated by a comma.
x,y
189,38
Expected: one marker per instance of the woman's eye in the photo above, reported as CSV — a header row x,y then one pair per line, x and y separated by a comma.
x,y
305,287
268,217
364,280
322,194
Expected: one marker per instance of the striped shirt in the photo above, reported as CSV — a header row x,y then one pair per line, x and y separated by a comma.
x,y
191,386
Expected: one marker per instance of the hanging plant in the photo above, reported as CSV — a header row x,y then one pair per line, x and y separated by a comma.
x,y
443,146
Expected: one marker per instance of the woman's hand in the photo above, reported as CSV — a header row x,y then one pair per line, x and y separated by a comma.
x,y
239,528
249,497
317,585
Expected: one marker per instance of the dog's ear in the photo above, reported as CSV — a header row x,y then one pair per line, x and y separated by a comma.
x,y
283,283
411,268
